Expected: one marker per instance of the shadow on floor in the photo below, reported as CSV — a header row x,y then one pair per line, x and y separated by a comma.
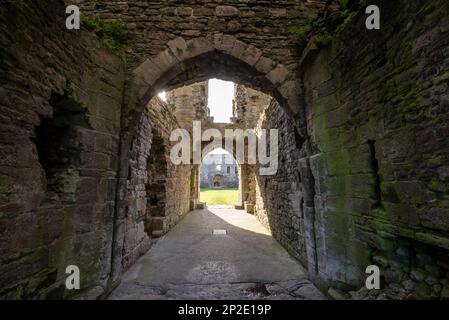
x,y
240,261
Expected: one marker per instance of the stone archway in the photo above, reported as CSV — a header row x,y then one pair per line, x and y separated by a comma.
x,y
185,62
216,56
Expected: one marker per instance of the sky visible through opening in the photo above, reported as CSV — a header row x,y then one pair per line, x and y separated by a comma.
x,y
221,94
218,151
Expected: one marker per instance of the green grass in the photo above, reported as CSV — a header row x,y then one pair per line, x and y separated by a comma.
x,y
224,196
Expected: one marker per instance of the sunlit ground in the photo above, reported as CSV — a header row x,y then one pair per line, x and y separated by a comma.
x,y
224,196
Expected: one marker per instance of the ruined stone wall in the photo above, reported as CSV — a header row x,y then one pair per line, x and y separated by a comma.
x,y
278,197
60,99
248,175
377,118
227,170
190,103
136,241
248,105
177,178
158,191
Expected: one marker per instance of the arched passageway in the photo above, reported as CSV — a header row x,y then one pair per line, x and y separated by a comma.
x,y
362,171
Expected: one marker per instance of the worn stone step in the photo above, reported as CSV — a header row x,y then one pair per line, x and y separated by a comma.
x,y
158,223
157,233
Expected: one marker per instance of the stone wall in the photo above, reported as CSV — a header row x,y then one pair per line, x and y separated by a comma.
x,y
176,43
158,191
177,177
60,100
136,241
248,106
278,197
377,119
190,103
152,24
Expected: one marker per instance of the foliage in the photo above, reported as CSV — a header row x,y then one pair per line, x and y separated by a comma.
x,y
321,31
302,30
112,33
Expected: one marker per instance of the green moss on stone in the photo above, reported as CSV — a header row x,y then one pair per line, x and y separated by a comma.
x,y
302,30
112,33
5,190
433,239
323,38
349,18
435,161
323,32
442,7
410,107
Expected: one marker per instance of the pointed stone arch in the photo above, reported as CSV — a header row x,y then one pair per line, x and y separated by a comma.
x,y
185,62
219,55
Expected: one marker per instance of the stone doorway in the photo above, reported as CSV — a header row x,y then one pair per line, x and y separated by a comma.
x,y
217,181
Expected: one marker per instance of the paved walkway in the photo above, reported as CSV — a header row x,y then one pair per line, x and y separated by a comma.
x,y
191,262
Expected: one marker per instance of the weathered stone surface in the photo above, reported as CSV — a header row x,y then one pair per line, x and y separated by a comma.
x,y
374,146
63,213
248,106
278,197
226,11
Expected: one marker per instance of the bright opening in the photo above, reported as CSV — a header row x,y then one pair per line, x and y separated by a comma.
x,y
219,179
221,95
163,96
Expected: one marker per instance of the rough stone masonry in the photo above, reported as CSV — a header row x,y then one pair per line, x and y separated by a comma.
x,y
363,117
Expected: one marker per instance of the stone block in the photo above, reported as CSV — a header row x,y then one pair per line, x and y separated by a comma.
x,y
234,26
402,214
226,11
278,75
178,46
200,206
95,160
225,43
249,207
158,223
198,46
412,192
184,11
251,55
165,60
265,65
433,239
148,72
278,12
238,49
443,173
435,218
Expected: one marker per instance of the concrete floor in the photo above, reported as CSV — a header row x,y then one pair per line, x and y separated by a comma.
x,y
190,262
